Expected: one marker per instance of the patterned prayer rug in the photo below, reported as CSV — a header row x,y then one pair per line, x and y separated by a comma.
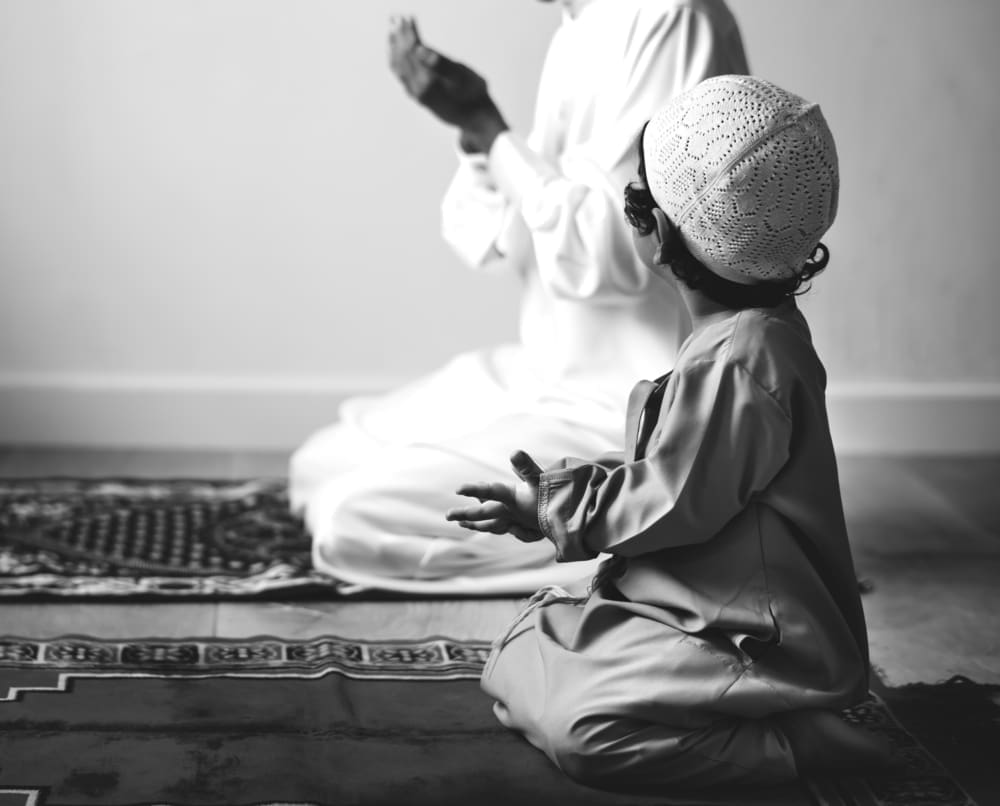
x,y
325,721
135,538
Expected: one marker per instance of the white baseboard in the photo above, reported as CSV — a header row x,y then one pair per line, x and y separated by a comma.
x,y
915,418
254,412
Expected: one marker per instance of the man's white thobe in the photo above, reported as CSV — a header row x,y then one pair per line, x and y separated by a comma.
x,y
546,210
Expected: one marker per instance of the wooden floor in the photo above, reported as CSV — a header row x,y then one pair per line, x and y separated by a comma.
x,y
925,531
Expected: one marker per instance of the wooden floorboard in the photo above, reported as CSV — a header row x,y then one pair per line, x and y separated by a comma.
x,y
108,620
465,619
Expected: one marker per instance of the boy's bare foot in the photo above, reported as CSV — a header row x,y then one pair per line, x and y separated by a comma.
x,y
822,742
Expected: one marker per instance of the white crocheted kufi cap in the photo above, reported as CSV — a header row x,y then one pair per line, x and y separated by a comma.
x,y
747,172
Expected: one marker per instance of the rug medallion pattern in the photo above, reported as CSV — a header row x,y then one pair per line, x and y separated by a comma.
x,y
130,538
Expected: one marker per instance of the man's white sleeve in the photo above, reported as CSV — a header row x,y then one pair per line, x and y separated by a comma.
x,y
572,207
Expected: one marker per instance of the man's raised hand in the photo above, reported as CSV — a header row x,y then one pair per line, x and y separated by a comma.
x,y
454,93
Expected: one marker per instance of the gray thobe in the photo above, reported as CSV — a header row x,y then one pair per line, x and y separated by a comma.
x,y
733,597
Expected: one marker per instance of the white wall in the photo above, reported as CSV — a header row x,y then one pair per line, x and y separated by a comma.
x,y
219,216
909,88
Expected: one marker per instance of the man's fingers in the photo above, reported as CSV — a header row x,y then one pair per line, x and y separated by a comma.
x,y
403,34
412,32
401,58
399,38
415,77
405,31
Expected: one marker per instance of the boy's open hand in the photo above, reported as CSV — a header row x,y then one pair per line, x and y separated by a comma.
x,y
504,508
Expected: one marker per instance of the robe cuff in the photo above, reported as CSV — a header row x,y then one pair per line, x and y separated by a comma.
x,y
473,212
552,488
519,171
477,163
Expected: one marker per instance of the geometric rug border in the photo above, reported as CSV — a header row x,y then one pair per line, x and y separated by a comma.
x,y
75,657
279,579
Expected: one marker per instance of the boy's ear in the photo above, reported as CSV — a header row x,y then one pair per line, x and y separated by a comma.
x,y
664,234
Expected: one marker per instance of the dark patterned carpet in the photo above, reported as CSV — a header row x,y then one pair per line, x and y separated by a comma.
x,y
64,538
332,721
